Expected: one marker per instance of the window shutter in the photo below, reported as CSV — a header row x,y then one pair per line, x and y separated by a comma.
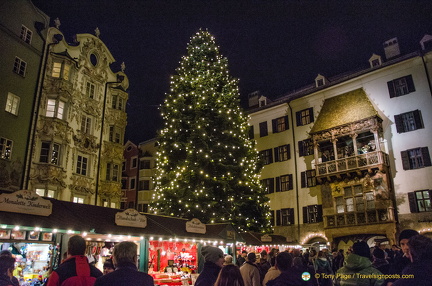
x,y
251,132
290,185
311,115
410,83
286,122
305,218
426,157
289,151
319,213
405,160
271,155
271,185
391,89
277,184
278,217
301,148
418,119
274,126
412,202
399,124
303,179
291,215
276,154
298,118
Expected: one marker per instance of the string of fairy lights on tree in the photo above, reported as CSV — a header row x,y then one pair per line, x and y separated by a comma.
x,y
206,164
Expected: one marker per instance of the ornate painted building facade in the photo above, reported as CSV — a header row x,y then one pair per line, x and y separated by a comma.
x,y
348,157
77,154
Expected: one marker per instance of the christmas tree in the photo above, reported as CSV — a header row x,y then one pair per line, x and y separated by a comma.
x,y
206,164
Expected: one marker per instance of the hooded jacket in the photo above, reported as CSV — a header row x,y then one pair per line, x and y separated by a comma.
x,y
355,267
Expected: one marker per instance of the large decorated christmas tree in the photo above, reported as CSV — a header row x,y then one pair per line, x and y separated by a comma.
x,y
207,165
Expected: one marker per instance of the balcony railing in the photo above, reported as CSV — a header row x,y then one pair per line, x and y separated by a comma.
x,y
362,161
359,218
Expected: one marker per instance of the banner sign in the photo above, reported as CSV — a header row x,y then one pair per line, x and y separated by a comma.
x,y
131,217
26,202
195,226
266,238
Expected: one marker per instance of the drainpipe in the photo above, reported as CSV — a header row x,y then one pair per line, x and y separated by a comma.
x,y
119,80
36,103
295,170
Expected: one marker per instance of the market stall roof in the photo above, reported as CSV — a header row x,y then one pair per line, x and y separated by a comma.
x,y
253,238
101,220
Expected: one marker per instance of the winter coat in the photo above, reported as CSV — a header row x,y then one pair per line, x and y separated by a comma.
x,y
322,265
209,274
271,274
125,274
250,274
291,277
358,265
382,265
421,271
5,280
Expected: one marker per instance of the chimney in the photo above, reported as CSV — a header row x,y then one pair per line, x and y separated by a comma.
x,y
391,48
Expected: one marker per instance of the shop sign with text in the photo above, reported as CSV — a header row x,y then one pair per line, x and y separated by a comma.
x,y
131,217
196,226
25,201
266,238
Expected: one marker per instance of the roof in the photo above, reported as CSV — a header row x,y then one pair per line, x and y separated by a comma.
x,y
101,220
343,109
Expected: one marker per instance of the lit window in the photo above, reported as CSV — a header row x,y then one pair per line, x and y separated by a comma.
x,y
55,108
50,153
26,34
401,86
304,116
280,124
45,193
284,183
20,66
78,200
312,214
12,103
5,148
282,153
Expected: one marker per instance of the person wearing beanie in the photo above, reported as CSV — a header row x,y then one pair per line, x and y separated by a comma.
x,y
358,263
214,259
250,272
379,261
228,260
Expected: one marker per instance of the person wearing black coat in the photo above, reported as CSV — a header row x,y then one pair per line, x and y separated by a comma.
x,y
214,260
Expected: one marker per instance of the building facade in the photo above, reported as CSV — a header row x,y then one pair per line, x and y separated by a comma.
x,y
130,176
23,30
348,157
77,153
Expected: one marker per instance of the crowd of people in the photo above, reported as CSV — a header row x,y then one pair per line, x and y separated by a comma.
x,y
409,263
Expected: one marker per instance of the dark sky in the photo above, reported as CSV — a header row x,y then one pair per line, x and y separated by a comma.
x,y
271,46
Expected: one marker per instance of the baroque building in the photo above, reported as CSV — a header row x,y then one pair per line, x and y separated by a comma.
x,y
22,54
77,152
348,157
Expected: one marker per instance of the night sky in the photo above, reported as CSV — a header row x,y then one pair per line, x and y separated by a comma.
x,y
271,46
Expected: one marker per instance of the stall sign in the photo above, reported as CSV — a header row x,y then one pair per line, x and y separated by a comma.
x,y
25,201
266,238
131,217
195,226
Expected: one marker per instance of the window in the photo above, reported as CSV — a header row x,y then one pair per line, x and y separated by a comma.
x,y
132,183
355,200
304,117
20,66
145,164
26,34
61,70
409,121
134,163
268,185
282,153
55,108
142,208
78,200
50,153
285,216
308,179
5,148
117,102
86,124
312,214
144,185
263,129
82,165
12,103
124,185
251,132
266,156
112,172
401,86
284,183
420,201
415,158
115,134
90,90
306,147
45,193
280,124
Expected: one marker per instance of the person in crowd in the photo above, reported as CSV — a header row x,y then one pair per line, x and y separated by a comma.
x,y
7,265
76,267
323,268
214,259
108,266
263,265
306,256
229,276
250,272
272,273
401,261
379,261
228,260
299,265
241,258
9,254
420,269
312,256
289,276
126,271
338,261
359,263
